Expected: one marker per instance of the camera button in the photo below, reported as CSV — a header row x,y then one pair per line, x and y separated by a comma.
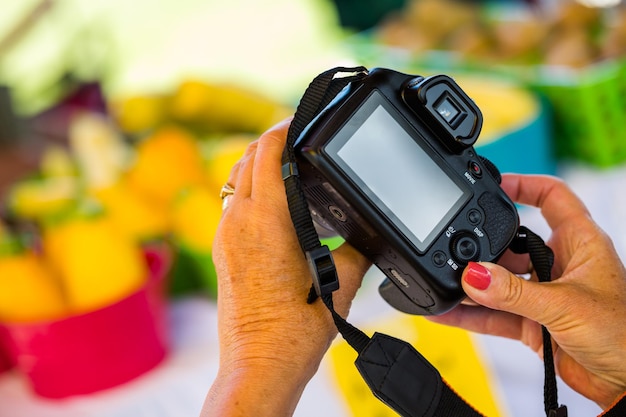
x,y
474,217
465,248
439,258
475,169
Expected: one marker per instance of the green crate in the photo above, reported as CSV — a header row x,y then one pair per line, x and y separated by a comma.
x,y
589,109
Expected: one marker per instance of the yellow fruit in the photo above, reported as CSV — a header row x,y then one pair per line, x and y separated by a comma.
x,y
130,212
166,162
223,157
224,108
28,290
39,199
139,114
96,264
195,219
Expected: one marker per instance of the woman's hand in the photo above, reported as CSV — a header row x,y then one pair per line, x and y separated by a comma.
x,y
584,307
271,341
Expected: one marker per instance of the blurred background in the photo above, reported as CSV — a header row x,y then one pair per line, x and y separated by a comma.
x,y
120,121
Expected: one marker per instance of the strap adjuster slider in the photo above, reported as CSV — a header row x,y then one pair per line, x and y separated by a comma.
x,y
289,169
323,270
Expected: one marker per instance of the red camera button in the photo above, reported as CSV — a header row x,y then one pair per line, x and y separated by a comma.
x,y
475,169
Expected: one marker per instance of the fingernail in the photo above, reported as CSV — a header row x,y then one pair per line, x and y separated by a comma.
x,y
477,276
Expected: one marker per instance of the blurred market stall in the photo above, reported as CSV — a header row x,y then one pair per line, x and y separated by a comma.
x,y
117,134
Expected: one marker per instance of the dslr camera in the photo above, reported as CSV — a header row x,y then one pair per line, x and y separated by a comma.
x,y
389,165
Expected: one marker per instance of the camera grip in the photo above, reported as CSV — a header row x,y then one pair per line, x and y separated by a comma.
x,y
500,219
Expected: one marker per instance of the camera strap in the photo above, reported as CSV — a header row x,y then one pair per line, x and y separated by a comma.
x,y
393,369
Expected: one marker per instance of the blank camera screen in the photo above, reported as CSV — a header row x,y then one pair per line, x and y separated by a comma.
x,y
393,169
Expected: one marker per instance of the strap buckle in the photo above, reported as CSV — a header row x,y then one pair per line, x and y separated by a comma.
x,y
323,270
289,169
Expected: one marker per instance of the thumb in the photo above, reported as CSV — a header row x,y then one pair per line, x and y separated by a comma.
x,y
495,287
351,267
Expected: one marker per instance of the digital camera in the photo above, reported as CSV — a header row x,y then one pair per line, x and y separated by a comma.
x,y
389,165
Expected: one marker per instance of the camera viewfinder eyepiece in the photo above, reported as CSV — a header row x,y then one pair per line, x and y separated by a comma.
x,y
440,100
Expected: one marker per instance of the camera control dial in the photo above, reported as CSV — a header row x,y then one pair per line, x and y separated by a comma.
x,y
465,248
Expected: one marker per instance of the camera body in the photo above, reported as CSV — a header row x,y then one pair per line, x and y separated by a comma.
x,y
389,166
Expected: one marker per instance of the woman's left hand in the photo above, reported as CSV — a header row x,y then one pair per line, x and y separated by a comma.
x,y
271,340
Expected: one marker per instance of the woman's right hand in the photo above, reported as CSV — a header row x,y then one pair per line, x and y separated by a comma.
x,y
584,307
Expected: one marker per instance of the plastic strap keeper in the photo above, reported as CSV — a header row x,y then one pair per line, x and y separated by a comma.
x,y
289,169
323,270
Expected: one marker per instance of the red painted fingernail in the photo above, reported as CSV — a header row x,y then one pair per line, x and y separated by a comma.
x,y
477,276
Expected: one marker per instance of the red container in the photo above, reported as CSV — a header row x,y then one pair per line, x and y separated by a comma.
x,y
97,350
6,362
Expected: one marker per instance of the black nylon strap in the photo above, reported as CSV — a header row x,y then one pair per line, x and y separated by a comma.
x,y
318,95
451,404
403,379
320,92
355,337
542,259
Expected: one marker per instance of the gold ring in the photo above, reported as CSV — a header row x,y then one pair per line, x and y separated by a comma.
x,y
225,201
226,190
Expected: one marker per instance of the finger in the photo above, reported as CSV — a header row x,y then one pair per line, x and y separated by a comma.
x,y
556,200
516,263
469,302
493,286
478,319
229,189
234,173
351,268
243,180
267,170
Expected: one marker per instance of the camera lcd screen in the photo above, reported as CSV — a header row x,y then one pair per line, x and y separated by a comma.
x,y
381,152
